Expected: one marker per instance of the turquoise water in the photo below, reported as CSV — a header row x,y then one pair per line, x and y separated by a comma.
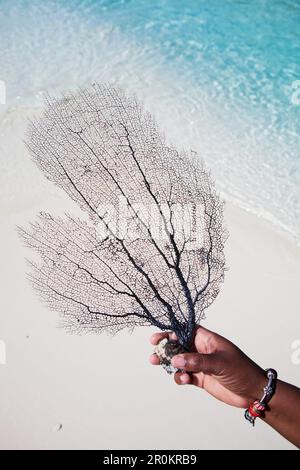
x,y
219,75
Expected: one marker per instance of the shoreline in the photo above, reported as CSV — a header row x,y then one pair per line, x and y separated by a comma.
x,y
33,185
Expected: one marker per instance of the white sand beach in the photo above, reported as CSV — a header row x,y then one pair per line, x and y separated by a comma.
x,y
63,391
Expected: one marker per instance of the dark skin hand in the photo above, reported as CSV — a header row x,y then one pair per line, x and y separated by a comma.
x,y
225,372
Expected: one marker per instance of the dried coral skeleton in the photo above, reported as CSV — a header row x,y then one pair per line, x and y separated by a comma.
x,y
162,263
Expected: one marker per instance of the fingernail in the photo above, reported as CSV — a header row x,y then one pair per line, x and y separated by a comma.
x,y
178,361
184,379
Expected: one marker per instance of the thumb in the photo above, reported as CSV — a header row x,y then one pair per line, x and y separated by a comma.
x,y
195,362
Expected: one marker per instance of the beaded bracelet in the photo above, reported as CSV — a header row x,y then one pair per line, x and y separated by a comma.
x,y
258,407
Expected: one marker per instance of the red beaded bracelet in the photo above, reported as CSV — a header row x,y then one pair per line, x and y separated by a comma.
x,y
258,407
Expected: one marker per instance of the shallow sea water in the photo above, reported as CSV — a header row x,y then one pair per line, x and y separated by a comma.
x,y
220,76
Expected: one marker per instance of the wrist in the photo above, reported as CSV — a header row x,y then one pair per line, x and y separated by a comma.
x,y
257,382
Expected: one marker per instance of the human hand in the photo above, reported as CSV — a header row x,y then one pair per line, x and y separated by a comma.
x,y
218,366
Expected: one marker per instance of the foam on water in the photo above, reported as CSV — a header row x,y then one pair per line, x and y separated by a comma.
x,y
218,76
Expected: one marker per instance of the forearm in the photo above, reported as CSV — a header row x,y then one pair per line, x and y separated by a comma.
x,y
284,412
